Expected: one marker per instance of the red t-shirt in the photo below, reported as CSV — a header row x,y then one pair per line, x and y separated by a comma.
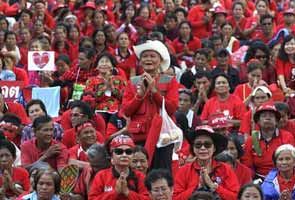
x,y
127,63
77,153
21,75
286,69
233,107
18,110
244,173
243,91
31,153
286,184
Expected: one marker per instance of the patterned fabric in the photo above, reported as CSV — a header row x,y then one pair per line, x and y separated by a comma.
x,y
28,133
107,99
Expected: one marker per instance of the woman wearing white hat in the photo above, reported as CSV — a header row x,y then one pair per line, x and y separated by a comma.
x,y
143,95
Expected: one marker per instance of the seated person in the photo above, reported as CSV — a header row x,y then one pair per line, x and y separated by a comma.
x,y
86,136
285,123
12,127
80,112
43,147
13,180
36,108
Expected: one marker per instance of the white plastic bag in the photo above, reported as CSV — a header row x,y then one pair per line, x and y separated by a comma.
x,y
170,133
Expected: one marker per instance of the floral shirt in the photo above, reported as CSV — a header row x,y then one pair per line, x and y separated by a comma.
x,y
107,99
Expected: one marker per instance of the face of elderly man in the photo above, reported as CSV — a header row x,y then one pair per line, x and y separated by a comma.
x,y
150,61
267,120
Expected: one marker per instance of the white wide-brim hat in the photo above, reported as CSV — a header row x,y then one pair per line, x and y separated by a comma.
x,y
157,46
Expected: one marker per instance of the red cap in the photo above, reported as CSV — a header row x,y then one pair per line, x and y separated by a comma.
x,y
58,6
218,120
267,106
289,11
220,10
89,4
120,140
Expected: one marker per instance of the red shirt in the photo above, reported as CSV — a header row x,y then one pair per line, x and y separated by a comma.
x,y
104,187
286,184
69,138
244,173
98,119
290,127
286,69
200,29
245,127
233,107
243,91
31,153
18,109
126,63
242,23
21,177
84,182
21,75
77,153
263,164
188,179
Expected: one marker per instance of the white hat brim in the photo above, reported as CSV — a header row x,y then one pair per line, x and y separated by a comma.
x,y
156,46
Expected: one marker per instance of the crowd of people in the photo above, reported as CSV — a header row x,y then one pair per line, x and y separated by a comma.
x,y
159,99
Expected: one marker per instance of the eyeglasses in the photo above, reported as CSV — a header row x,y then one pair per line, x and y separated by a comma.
x,y
206,144
121,151
261,57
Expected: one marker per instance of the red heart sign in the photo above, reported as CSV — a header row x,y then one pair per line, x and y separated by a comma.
x,y
41,60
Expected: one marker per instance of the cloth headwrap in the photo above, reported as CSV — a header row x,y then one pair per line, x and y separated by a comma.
x,y
122,140
85,125
252,61
8,125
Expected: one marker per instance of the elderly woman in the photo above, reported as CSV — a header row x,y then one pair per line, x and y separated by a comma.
x,y
14,180
47,186
260,146
205,173
144,94
107,86
119,181
280,182
230,105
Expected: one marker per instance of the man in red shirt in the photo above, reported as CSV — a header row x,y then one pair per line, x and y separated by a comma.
x,y
267,31
43,148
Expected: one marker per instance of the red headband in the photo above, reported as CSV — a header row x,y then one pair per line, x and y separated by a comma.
x,y
85,125
8,125
122,140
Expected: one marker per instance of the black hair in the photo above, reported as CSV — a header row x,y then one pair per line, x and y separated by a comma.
x,y
215,37
94,35
181,121
26,11
109,56
65,58
249,185
55,176
89,52
282,107
180,9
85,39
189,24
253,66
34,102
202,195
142,6
5,144
124,7
206,43
12,118
226,23
71,27
170,16
202,74
187,79
254,46
282,53
237,3
237,144
141,149
202,51
2,17
85,108
7,33
266,16
99,149
157,174
218,75
41,120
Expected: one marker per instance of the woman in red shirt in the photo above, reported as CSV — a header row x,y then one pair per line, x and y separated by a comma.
x,y
100,42
186,44
230,105
205,173
125,56
107,87
119,182
13,180
286,65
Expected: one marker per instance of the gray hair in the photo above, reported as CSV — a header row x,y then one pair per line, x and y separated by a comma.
x,y
284,147
96,150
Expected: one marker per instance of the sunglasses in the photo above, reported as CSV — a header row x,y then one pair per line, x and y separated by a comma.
x,y
121,151
206,144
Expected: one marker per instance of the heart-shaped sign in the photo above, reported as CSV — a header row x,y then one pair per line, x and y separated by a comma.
x,y
41,60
